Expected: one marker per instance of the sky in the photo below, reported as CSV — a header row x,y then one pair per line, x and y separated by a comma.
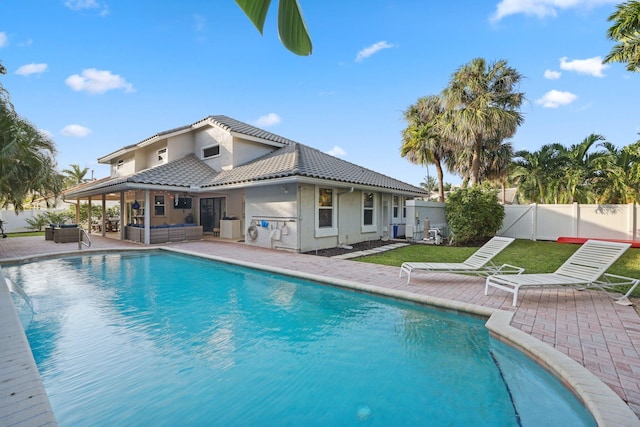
x,y
97,75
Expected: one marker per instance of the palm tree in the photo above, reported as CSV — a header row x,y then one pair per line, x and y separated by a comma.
x,y
27,162
422,141
482,105
75,175
618,180
538,173
626,32
498,164
581,169
291,26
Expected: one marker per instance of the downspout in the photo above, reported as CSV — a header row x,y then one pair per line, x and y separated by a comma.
x,y
340,244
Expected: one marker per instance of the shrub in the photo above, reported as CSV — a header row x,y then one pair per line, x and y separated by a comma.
x,y
41,220
473,215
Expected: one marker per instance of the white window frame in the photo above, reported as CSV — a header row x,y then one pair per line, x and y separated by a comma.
x,y
162,155
326,231
395,206
374,213
157,205
210,146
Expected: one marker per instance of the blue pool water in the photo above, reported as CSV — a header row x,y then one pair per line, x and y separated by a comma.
x,y
163,339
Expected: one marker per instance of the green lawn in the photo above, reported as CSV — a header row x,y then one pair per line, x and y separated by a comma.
x,y
26,234
535,257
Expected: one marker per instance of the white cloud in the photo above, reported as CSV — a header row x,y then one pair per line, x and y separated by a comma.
x,y
337,152
592,66
75,130
97,81
374,48
268,120
87,4
555,98
552,75
4,39
542,8
28,69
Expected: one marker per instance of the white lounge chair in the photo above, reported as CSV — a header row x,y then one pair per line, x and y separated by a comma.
x,y
480,263
585,268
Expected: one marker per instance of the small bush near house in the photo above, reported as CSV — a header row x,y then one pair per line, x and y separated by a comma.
x,y
473,215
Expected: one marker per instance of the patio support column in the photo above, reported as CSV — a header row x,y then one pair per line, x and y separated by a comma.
x,y
122,222
147,217
104,213
89,211
77,211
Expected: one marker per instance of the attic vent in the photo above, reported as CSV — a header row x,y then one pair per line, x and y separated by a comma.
x,y
162,154
120,163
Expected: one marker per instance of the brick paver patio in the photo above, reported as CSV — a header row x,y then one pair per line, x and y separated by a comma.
x,y
585,325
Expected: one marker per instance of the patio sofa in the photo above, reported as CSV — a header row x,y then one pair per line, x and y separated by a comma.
x,y
65,233
164,233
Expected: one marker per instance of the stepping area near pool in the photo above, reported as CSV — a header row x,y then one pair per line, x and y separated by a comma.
x,y
586,326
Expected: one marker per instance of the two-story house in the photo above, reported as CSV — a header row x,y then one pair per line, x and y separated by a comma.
x,y
226,178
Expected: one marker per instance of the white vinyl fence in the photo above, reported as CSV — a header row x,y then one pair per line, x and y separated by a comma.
x,y
548,222
18,223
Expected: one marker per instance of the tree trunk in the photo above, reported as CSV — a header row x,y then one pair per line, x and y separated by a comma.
x,y
440,181
475,162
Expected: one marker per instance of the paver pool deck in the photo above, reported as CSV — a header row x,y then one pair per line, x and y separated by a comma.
x,y
587,326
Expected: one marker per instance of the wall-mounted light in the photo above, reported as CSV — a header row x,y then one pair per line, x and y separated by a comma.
x,y
285,190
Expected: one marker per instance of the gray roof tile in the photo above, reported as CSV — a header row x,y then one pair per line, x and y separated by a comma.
x,y
300,160
184,172
293,159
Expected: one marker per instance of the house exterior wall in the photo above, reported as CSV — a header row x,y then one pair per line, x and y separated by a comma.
x,y
212,136
245,151
180,145
128,166
270,208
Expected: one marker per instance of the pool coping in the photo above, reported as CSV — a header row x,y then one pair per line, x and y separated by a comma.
x,y
607,408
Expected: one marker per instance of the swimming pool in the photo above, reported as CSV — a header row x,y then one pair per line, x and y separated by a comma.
x,y
165,339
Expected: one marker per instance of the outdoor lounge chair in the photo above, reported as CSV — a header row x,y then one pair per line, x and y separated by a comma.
x,y
480,263
585,268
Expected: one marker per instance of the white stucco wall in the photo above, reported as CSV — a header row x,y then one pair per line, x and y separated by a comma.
x,y
212,136
269,208
180,145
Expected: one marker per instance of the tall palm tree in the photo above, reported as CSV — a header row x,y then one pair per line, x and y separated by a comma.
x,y
422,141
537,173
482,104
27,162
625,30
75,175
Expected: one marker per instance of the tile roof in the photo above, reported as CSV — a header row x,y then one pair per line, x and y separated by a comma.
x,y
184,172
300,160
290,160
234,125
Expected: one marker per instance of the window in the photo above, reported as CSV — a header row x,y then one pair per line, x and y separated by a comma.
x,y
395,206
212,151
325,207
158,205
162,155
369,213
367,205
326,223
